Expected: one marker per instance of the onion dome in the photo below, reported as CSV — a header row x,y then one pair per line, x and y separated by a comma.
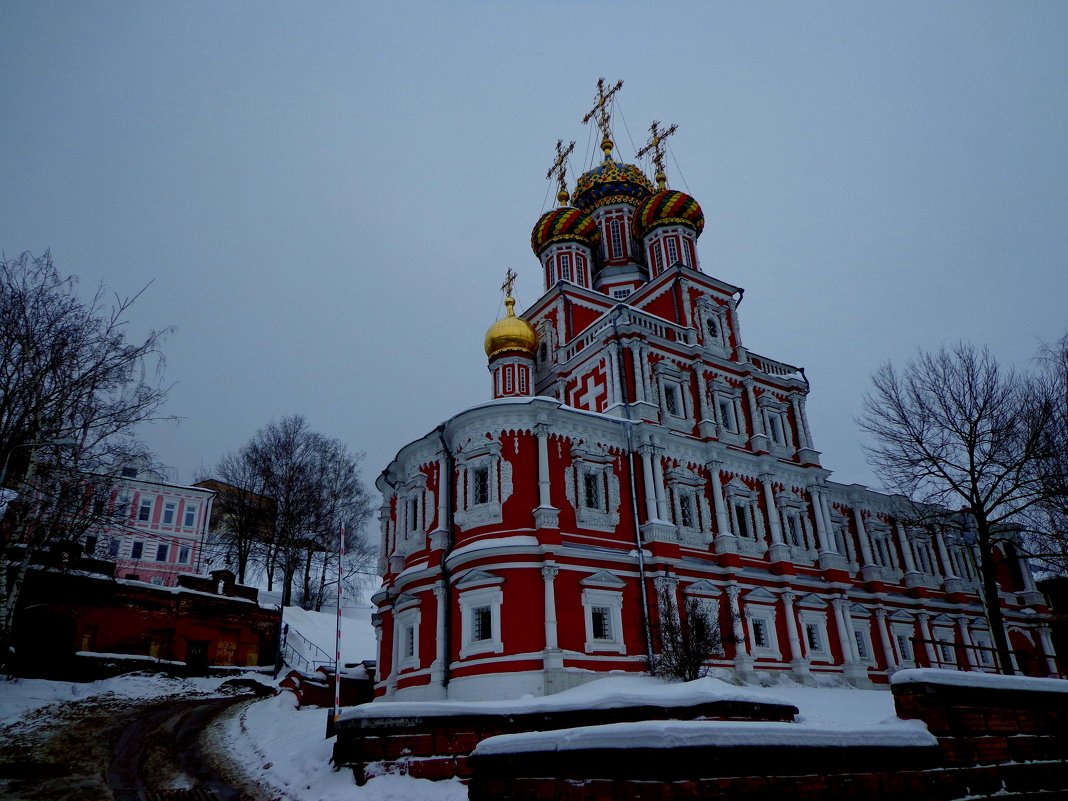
x,y
611,182
511,333
669,207
565,224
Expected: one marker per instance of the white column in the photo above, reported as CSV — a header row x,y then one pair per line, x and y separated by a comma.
x,y
845,631
543,465
773,513
650,490
906,548
702,393
723,525
750,393
439,628
617,392
822,532
884,638
1025,573
742,647
862,536
662,512
639,380
801,434
549,573
966,639
803,418
925,632
791,626
943,554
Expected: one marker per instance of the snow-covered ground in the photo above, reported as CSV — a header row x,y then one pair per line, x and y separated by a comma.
x,y
357,633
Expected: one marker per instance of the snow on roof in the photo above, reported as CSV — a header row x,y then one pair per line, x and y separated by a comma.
x,y
607,693
703,733
986,681
518,541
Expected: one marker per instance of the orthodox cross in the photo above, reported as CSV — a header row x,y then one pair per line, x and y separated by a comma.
x,y
509,282
559,170
600,111
656,146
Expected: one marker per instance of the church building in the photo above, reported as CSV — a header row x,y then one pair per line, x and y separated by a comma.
x,y
631,446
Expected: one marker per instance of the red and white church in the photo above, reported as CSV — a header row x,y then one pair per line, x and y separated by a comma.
x,y
633,443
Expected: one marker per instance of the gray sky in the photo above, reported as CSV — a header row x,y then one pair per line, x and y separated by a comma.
x,y
326,197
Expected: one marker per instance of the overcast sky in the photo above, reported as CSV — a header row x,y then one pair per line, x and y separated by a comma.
x,y
325,198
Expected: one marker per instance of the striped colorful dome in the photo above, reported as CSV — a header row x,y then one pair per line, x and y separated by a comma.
x,y
611,182
565,224
669,207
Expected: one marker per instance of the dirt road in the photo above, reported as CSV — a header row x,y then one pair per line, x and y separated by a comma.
x,y
113,748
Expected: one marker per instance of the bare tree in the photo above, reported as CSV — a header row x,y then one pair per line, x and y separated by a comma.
x,y
955,428
243,519
310,485
72,391
689,636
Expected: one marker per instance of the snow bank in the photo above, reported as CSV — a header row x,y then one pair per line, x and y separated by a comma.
x,y
357,633
284,749
986,681
607,693
700,733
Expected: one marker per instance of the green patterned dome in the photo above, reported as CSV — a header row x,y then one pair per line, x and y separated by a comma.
x,y
565,224
669,207
611,182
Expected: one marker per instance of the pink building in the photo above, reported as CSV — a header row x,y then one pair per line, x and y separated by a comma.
x,y
156,531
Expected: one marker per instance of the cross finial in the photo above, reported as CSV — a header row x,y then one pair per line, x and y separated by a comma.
x,y
600,111
559,170
656,145
509,282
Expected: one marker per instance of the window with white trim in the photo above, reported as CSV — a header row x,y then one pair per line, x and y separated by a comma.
x,y
183,554
190,516
862,638
983,649
658,258
565,266
136,550
480,491
592,488
672,404
762,635
122,506
144,511
603,615
616,238
621,294
814,626
672,250
169,509
924,557
480,616
162,551
522,380
903,633
486,481
947,649
406,617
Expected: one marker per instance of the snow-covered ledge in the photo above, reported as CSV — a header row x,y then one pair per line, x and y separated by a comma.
x,y
987,681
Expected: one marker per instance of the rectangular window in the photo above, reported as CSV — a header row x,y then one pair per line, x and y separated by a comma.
x,y
617,239
591,490
671,400
136,550
409,641
602,623
481,624
90,545
620,294
168,513
144,511
949,655
480,488
760,633
565,266
183,555
113,547
812,634
161,552
522,381
904,647
862,645
122,506
508,378
673,251
726,415
658,258
190,516
580,271
793,531
686,511
99,506
413,514
741,521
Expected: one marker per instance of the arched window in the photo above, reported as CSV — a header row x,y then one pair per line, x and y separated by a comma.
x,y
616,238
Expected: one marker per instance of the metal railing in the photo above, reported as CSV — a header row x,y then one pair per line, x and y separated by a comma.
x,y
301,653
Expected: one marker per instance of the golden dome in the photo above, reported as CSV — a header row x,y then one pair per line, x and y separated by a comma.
x,y
511,333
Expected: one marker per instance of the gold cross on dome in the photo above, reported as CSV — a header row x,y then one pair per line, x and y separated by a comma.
x,y
600,111
560,170
656,145
509,282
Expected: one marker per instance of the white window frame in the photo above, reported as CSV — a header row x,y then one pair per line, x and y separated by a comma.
x,y
945,646
170,513
687,486
765,615
904,631
598,463
141,546
862,640
981,640
189,512
184,552
499,470
165,549
612,600
739,495
818,621
615,235
407,618
144,510
472,599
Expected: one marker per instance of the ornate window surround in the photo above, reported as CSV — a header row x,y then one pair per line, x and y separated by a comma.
x,y
793,506
686,484
726,395
667,377
708,311
812,612
760,607
902,626
740,497
471,514
860,618
593,461
406,618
